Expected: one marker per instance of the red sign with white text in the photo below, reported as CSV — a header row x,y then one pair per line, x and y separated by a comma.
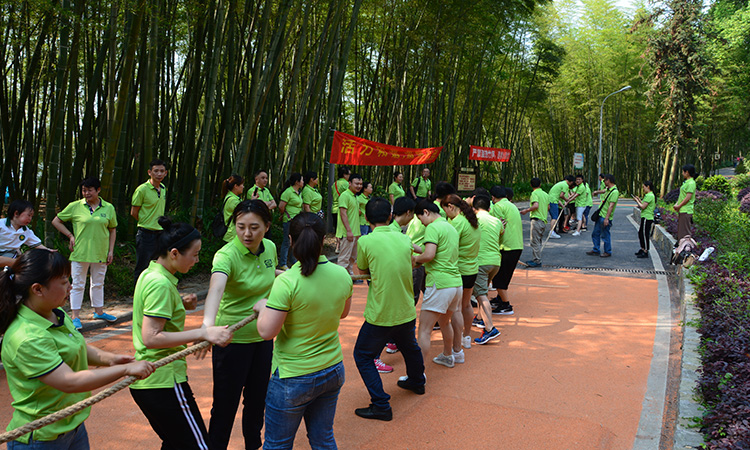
x,y
489,154
356,151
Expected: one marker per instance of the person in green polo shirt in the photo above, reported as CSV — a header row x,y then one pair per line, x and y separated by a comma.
x,y
395,191
421,187
231,189
511,247
559,196
148,204
290,204
442,297
303,313
463,218
583,204
538,207
685,203
243,273
339,187
260,190
347,226
46,360
647,206
165,398
606,213
489,264
312,200
92,245
362,198
389,312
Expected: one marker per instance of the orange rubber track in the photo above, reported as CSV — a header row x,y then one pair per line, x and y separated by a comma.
x,y
568,372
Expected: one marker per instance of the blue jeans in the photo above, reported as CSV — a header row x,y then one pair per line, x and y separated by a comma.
x,y
77,439
312,396
602,232
554,210
364,229
285,247
370,342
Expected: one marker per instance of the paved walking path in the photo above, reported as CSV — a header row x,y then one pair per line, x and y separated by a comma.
x,y
572,369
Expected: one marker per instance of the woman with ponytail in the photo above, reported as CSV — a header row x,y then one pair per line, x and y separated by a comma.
x,y
463,218
303,313
231,190
46,360
159,331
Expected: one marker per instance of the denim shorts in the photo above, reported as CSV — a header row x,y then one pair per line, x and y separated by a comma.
x,y
76,439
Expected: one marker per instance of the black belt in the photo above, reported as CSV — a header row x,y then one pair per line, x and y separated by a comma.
x,y
146,230
535,218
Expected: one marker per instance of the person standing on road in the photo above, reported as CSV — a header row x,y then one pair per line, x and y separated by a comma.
x,y
46,360
231,189
290,204
303,313
347,227
647,206
260,190
389,315
421,187
395,191
559,196
511,247
243,272
603,217
92,244
583,204
165,398
686,202
148,204
538,207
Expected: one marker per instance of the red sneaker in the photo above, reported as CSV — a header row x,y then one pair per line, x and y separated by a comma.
x,y
382,367
391,347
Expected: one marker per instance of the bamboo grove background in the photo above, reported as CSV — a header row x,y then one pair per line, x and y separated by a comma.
x,y
215,87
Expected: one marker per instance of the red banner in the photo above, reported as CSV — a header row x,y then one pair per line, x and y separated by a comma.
x,y
355,151
489,154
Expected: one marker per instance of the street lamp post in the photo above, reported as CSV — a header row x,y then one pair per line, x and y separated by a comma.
x,y
601,120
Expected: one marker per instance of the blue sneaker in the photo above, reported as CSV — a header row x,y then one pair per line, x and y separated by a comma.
x,y
487,336
479,323
77,324
533,264
104,316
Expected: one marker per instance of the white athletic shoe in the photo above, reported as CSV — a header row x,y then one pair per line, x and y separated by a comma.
x,y
459,357
553,235
576,233
466,342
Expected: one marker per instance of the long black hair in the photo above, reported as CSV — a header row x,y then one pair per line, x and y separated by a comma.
x,y
34,266
307,231
466,209
179,236
229,184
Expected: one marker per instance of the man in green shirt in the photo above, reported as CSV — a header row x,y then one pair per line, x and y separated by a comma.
x,y
559,196
347,226
538,207
685,203
148,204
390,315
511,247
421,187
604,222
260,190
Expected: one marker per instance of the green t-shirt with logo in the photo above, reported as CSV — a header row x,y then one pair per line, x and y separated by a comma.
x,y
249,279
559,188
648,213
309,339
489,246
32,347
610,197
339,187
311,196
91,229
152,204
442,271
293,201
156,296
231,200
264,194
348,201
508,213
390,298
396,191
539,196
468,245
688,187
425,186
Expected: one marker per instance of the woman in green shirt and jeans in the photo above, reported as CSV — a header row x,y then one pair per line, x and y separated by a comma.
x,y
647,205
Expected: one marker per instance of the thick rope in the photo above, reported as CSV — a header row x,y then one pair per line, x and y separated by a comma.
x,y
122,384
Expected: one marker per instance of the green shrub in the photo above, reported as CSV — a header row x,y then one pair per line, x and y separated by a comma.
x,y
741,168
741,181
699,180
718,183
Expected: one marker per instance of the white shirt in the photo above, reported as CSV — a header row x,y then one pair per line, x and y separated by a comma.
x,y
11,239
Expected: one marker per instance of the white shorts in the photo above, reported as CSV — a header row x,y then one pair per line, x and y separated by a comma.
x,y
442,300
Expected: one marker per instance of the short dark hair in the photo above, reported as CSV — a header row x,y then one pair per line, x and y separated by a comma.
x,y
481,202
157,162
580,175
258,172
481,191
690,169
18,207
570,178
293,178
426,205
378,210
443,189
90,182
343,170
396,174
403,205
536,182
509,193
497,191
355,176
310,175
610,177
256,206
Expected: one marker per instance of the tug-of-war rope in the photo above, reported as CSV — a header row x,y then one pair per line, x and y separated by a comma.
x,y
120,385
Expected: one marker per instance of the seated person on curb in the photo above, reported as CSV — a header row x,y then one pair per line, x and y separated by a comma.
x,y
489,264
389,313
